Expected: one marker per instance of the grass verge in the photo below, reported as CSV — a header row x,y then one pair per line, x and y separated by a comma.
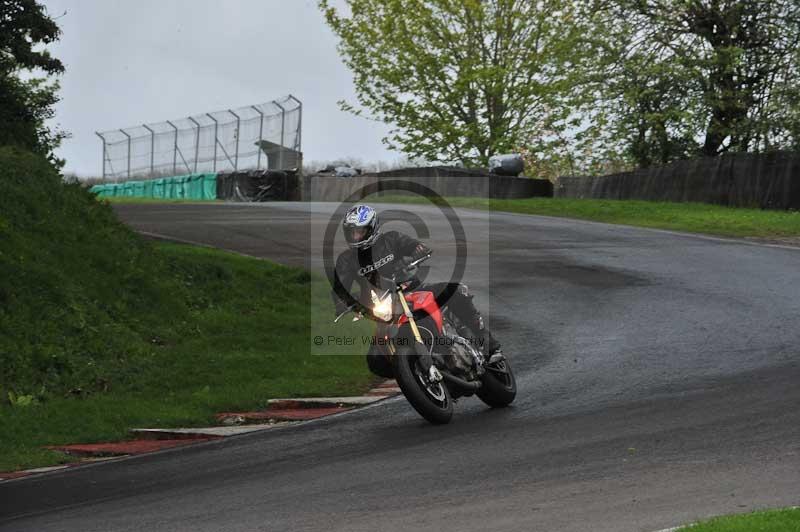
x,y
688,217
132,199
236,335
102,331
766,521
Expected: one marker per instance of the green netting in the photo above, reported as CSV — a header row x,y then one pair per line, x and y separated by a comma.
x,y
209,188
178,184
169,188
192,186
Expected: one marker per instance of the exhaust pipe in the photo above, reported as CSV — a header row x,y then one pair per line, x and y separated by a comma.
x,y
452,379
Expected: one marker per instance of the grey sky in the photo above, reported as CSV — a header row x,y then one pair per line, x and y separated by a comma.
x,y
130,62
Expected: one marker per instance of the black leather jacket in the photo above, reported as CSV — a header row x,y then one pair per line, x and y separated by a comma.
x,y
365,266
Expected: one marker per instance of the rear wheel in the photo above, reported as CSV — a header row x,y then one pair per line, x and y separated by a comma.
x,y
499,387
431,399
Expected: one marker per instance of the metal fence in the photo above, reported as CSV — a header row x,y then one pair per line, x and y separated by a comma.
x,y
259,136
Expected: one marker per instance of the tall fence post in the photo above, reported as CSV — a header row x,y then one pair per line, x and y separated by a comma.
x,y
283,127
236,157
196,142
104,152
174,149
216,130
291,117
260,135
129,151
152,149
298,136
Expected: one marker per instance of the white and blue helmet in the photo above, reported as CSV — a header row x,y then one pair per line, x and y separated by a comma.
x,y
361,227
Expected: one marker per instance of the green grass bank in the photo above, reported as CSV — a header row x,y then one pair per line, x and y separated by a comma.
x,y
688,217
767,521
102,331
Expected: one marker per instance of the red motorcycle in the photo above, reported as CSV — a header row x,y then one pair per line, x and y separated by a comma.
x,y
434,362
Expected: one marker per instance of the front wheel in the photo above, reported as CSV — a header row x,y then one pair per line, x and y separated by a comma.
x,y
431,399
499,386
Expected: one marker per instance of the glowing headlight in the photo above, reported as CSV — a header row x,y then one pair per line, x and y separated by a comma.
x,y
382,308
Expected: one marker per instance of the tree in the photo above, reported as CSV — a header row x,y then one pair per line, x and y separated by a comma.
x,y
681,78
460,80
26,104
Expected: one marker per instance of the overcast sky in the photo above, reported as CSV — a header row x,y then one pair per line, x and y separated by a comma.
x,y
135,61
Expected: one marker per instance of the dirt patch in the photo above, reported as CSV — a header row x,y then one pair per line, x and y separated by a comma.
x,y
793,241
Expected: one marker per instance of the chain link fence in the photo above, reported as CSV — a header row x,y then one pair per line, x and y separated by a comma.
x,y
267,136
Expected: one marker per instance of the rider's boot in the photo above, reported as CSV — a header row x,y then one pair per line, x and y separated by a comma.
x,y
463,307
486,342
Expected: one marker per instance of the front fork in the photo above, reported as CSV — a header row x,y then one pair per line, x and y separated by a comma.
x,y
424,355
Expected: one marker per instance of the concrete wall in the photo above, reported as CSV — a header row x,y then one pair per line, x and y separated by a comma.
x,y
258,185
279,157
327,188
769,181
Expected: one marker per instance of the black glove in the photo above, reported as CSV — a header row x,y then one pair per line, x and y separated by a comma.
x,y
420,251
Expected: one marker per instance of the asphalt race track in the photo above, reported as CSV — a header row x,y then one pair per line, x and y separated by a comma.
x,y
658,374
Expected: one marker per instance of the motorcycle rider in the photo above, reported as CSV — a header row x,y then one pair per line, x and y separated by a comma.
x,y
373,252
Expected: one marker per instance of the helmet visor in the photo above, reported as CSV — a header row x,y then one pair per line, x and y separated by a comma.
x,y
356,235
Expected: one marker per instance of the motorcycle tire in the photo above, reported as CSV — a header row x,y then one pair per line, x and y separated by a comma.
x,y
431,400
498,389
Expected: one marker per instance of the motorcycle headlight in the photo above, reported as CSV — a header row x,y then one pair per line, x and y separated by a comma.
x,y
382,308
